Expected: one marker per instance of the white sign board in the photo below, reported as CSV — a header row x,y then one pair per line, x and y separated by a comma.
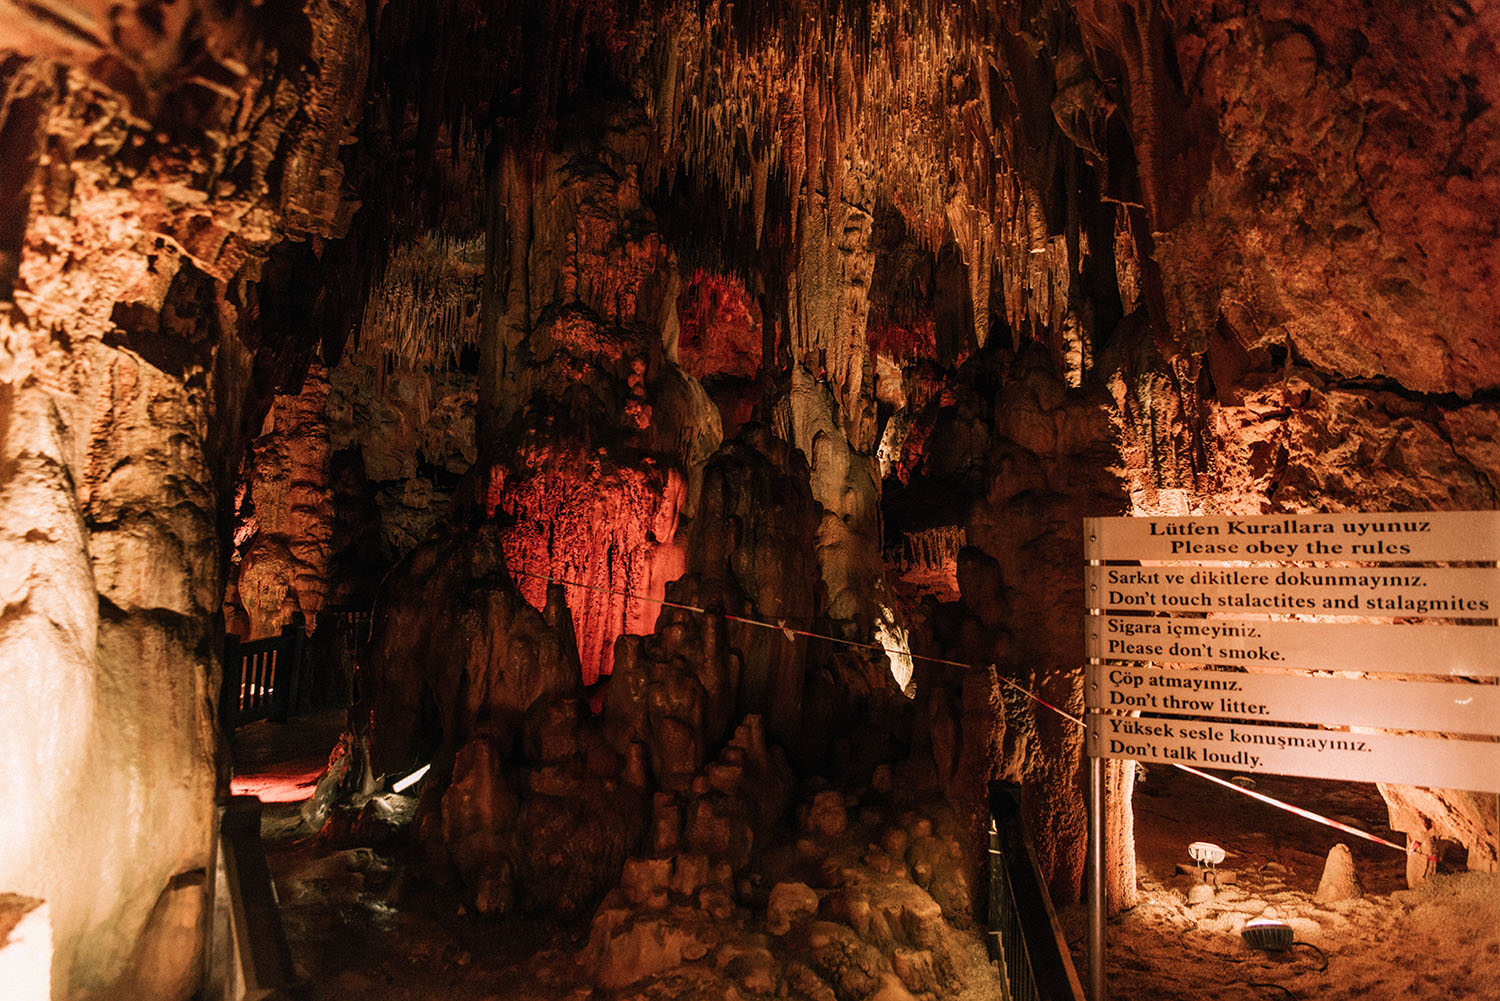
x,y
1186,612
1406,648
1367,591
1439,706
1426,537
1282,750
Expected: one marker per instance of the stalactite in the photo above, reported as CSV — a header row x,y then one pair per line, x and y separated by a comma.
x,y
425,308
923,99
930,548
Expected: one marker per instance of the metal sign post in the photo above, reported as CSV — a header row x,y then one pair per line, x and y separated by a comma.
x,y
1096,879
1091,548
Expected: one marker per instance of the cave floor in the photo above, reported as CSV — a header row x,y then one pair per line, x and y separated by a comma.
x,y
369,923
281,762
1440,940
361,925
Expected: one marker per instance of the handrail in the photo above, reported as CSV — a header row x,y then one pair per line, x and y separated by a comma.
x,y
278,677
353,620
247,957
1025,936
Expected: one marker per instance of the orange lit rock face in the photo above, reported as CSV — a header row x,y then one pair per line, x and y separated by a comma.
x,y
584,291
161,163
526,799
1350,210
1148,254
347,477
534,800
1334,277
285,565
1053,460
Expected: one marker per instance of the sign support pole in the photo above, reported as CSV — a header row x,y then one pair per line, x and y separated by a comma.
x,y
1092,600
1096,879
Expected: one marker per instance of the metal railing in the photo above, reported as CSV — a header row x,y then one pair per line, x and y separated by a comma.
x,y
1025,938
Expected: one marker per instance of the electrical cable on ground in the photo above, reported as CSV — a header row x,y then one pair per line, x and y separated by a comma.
x,y
791,631
1323,956
1278,987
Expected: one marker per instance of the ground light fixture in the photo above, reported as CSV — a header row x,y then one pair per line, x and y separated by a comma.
x,y
1207,855
410,780
1270,935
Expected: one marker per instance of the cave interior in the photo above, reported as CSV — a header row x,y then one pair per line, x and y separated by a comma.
x,y
670,424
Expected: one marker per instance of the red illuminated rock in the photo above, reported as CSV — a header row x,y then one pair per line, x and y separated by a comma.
x,y
719,332
605,528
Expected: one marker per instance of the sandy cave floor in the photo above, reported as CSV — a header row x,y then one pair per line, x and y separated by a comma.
x,y
361,926
1440,940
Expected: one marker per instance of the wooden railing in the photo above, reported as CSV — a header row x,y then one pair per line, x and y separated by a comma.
x,y
353,625
261,678
282,676
246,956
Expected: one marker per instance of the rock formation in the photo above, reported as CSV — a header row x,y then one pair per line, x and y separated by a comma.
x,y
615,353
154,166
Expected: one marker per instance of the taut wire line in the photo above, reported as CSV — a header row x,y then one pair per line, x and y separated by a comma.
x,y
1307,814
791,631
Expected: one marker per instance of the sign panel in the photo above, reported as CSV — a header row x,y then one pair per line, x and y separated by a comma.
x,y
1327,754
1367,591
1445,707
1408,648
1189,608
1428,536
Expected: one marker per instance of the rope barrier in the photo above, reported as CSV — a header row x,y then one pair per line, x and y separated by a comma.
x,y
1307,814
792,631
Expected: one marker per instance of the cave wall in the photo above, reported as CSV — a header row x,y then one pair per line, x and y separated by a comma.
x,y
1282,276
346,477
1327,315
151,162
594,438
